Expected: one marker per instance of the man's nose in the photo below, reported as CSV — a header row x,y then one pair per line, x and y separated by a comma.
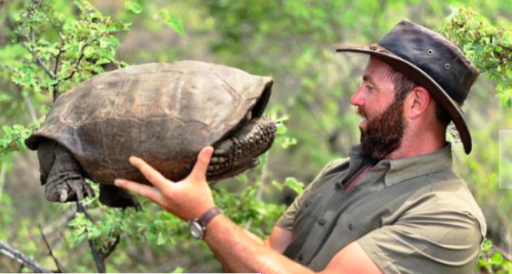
x,y
357,99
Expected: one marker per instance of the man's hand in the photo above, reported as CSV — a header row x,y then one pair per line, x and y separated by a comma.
x,y
187,199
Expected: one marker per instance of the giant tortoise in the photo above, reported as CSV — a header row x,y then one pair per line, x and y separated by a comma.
x,y
164,113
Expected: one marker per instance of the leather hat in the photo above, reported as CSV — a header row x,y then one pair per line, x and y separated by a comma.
x,y
433,62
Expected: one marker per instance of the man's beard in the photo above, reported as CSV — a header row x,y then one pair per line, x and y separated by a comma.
x,y
383,134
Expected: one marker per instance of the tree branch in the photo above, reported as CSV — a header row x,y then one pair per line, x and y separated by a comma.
x,y
3,169
259,193
31,39
38,60
14,254
505,47
98,255
50,252
79,60
65,217
11,68
57,59
30,108
503,61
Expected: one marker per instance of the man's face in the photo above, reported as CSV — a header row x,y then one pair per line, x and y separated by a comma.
x,y
382,123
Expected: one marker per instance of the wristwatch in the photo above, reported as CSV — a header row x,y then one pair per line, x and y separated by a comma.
x,y
198,226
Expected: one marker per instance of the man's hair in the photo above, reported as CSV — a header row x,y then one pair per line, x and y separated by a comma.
x,y
403,85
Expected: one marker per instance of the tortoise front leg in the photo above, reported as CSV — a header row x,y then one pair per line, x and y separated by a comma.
x,y
239,153
65,181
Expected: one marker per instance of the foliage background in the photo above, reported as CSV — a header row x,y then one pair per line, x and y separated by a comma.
x,y
289,40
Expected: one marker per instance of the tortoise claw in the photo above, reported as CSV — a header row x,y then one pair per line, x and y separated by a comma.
x,y
79,194
63,195
68,190
88,190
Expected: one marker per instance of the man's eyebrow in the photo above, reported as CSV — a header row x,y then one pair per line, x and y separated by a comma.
x,y
368,79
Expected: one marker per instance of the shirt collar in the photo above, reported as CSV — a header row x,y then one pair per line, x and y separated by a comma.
x,y
399,170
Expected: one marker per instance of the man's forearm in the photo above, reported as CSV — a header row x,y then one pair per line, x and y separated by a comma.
x,y
239,252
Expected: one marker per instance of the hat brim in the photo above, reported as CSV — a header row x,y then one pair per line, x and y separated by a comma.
x,y
421,78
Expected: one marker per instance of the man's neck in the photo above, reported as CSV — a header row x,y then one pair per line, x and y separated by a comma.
x,y
413,145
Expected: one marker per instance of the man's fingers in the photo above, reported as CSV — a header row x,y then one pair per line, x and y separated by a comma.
x,y
203,159
149,172
143,190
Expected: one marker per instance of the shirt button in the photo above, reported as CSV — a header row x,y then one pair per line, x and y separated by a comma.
x,y
350,226
306,204
301,257
322,222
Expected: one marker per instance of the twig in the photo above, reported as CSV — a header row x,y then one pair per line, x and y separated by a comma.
x,y
80,58
50,252
39,62
505,47
16,255
259,193
504,253
75,68
98,255
113,246
15,70
57,58
30,38
3,170
64,219
11,68
30,107
503,61
26,98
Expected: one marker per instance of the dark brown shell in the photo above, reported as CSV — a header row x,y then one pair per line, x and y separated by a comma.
x,y
163,113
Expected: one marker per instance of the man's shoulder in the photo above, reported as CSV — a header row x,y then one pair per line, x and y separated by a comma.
x,y
335,166
446,191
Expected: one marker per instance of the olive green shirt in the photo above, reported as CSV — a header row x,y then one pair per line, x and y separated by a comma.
x,y
411,215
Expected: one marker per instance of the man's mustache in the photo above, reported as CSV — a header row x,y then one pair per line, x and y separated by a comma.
x,y
361,112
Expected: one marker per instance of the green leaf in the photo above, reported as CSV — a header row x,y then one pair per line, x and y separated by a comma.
x,y
497,258
162,238
116,26
281,128
294,184
7,129
133,7
172,22
103,61
277,185
178,270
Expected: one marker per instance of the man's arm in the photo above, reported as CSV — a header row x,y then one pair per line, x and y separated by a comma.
x,y
279,239
241,253
235,248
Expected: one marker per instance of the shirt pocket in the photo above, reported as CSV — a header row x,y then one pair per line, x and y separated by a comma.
x,y
346,230
305,216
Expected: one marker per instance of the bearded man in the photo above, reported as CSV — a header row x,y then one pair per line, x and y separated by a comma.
x,y
394,206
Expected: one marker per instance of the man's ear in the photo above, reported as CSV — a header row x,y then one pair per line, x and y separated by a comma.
x,y
417,102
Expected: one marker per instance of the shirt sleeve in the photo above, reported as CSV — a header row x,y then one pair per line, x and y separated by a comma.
x,y
287,219
437,241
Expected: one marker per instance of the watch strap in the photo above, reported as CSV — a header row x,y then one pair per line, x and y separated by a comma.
x,y
211,213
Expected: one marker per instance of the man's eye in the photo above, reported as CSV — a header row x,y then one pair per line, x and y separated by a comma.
x,y
369,88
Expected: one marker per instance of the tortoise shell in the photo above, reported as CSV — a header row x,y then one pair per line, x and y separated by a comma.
x,y
164,113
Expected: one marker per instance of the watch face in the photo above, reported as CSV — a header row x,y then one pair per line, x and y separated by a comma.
x,y
196,229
